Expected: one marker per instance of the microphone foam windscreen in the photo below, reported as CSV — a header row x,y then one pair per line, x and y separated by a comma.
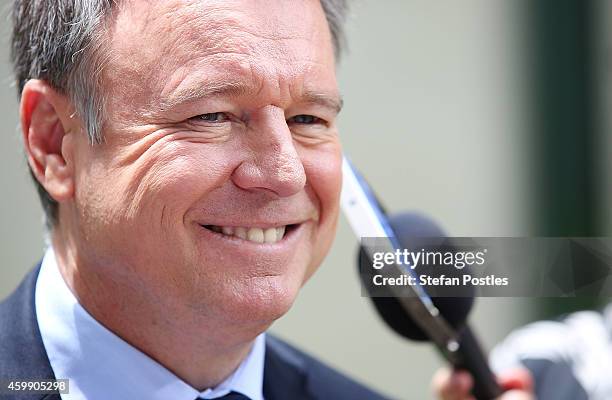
x,y
411,230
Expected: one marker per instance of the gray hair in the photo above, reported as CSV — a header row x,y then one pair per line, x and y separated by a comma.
x,y
61,42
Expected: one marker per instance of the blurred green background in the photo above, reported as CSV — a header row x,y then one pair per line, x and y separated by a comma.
x,y
488,115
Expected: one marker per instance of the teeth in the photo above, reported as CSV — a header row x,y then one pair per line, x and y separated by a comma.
x,y
240,232
270,235
257,235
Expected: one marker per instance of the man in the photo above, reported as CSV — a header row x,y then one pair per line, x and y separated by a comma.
x,y
187,157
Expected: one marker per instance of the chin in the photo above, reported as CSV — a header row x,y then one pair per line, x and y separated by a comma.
x,y
260,301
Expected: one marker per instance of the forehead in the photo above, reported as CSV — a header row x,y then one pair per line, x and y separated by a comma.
x,y
163,41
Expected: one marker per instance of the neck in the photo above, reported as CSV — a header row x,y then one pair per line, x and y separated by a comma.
x,y
200,350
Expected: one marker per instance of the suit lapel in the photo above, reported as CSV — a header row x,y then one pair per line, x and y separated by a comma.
x,y
285,376
22,353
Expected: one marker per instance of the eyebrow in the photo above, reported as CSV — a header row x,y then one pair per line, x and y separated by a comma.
x,y
335,102
237,89
210,89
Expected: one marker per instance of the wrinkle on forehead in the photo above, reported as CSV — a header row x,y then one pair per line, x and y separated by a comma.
x,y
208,27
162,44
236,79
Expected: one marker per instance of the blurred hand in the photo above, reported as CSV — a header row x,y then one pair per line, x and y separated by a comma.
x,y
456,385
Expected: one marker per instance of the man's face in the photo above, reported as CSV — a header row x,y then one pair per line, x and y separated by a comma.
x,y
220,134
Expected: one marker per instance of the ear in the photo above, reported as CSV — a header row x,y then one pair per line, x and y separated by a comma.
x,y
47,123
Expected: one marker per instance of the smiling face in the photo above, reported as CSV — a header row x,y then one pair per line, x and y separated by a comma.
x,y
216,189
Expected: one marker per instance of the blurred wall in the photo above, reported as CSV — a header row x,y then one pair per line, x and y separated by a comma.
x,y
435,118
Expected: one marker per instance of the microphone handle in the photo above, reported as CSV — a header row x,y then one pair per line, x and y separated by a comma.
x,y
473,360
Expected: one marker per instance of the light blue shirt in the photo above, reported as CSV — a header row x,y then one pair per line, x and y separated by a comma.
x,y
102,366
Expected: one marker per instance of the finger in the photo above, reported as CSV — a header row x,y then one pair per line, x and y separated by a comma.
x,y
516,379
452,385
517,395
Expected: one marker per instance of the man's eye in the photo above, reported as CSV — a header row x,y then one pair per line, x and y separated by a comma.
x,y
212,117
306,119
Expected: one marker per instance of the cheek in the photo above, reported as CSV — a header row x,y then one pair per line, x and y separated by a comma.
x,y
324,175
142,205
163,192
165,181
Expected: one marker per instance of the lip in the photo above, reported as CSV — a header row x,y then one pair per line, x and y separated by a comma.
x,y
259,224
287,243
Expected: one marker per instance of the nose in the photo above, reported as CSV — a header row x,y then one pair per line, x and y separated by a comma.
x,y
273,164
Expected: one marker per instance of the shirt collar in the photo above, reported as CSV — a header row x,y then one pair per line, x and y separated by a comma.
x,y
101,365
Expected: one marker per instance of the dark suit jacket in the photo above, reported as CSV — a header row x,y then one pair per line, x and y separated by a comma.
x,y
288,373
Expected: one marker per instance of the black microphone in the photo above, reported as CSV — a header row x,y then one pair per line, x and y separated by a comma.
x,y
411,229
